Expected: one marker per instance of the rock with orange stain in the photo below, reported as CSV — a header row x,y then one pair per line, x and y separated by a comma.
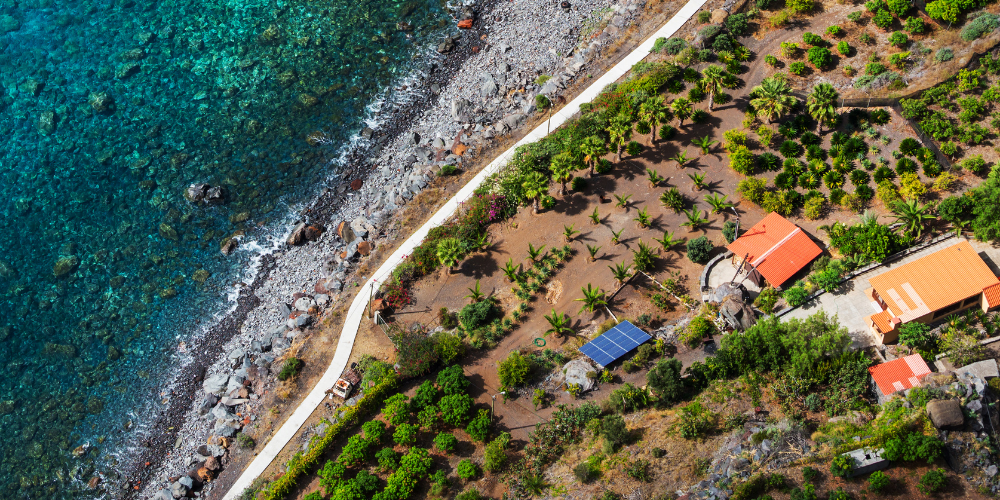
x,y
465,24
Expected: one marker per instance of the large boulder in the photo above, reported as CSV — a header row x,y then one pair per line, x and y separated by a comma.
x,y
461,110
576,373
216,383
719,16
945,413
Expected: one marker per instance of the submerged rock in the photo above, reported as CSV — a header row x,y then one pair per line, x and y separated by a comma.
x,y
65,265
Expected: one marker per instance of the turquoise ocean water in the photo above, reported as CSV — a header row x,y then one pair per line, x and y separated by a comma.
x,y
108,110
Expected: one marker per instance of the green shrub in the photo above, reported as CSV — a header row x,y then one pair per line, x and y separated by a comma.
x,y
834,30
796,295
843,47
699,250
578,184
842,466
839,494
752,189
806,492
813,39
855,16
452,380
696,420
882,19
898,38
737,24
771,60
898,7
878,481
915,25
513,370
980,26
820,56
797,68
245,441
944,54
790,149
932,481
495,454
809,474
455,409
479,427
466,469
447,170
290,368
388,459
704,16
585,472
638,469
799,6
405,434
470,494
477,314
665,380
541,102
633,148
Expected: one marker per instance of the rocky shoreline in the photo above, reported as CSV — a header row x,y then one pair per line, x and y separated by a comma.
x,y
481,87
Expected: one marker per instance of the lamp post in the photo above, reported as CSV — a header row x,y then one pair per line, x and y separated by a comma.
x,y
494,406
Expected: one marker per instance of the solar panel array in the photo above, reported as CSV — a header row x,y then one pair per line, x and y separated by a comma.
x,y
614,343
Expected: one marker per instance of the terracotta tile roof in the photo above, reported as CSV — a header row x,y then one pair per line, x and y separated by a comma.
x,y
933,281
883,321
992,293
899,374
778,248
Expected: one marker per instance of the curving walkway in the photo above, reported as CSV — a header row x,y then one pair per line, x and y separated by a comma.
x,y
356,313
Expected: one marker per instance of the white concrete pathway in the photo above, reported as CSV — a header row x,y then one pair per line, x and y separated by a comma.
x,y
355,314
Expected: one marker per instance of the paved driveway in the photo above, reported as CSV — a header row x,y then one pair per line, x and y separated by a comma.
x,y
852,306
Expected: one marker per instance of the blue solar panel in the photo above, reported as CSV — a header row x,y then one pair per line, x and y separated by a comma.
x,y
614,343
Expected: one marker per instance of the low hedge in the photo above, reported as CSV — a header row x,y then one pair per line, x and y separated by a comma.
x,y
301,463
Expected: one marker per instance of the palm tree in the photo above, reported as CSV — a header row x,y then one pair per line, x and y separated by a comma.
x,y
643,219
592,298
741,53
712,81
622,201
672,199
682,109
616,236
535,186
705,143
718,202
772,98
698,180
620,130
558,324
642,258
534,253
681,158
654,177
668,241
475,295
913,216
569,232
595,218
694,220
822,104
449,250
562,167
593,148
654,111
593,252
511,271
621,273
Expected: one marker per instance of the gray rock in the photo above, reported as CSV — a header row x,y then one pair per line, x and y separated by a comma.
x,y
975,405
215,384
438,142
256,346
322,300
576,373
221,411
186,481
225,430
304,304
461,110
435,89
513,121
360,226
414,138
991,470
234,385
178,490
163,494
489,87
233,401
303,320
236,355
284,310
366,133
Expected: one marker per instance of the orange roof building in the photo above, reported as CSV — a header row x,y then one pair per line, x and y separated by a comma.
x,y
898,375
942,283
777,248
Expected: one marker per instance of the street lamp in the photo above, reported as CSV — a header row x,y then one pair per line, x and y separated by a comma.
x,y
494,406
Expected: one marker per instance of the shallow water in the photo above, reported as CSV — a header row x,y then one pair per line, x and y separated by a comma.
x,y
109,109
